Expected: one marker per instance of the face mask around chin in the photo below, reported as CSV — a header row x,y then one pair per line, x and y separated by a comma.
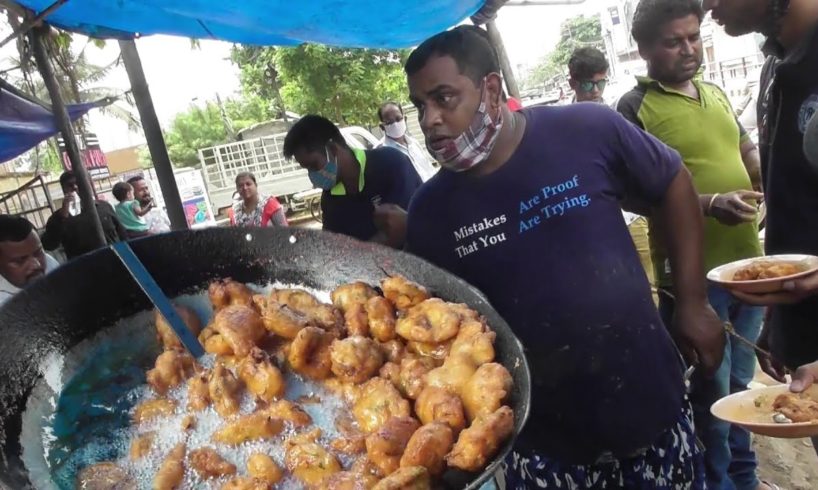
x,y
475,144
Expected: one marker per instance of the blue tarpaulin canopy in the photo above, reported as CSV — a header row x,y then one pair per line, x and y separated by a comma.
x,y
349,23
25,122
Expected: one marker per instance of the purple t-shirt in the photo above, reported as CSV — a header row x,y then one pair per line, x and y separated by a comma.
x,y
543,238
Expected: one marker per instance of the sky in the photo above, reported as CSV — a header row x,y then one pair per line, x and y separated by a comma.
x,y
179,76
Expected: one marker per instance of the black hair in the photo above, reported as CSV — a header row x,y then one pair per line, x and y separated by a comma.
x,y
246,175
121,190
67,176
587,62
469,46
14,228
312,133
651,15
133,180
385,105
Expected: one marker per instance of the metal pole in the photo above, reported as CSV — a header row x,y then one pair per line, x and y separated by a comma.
x,y
153,134
505,64
37,36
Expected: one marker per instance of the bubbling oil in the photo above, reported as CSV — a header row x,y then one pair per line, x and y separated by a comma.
x,y
80,411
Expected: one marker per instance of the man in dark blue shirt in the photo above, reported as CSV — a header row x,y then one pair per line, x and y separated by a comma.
x,y
787,108
355,182
527,209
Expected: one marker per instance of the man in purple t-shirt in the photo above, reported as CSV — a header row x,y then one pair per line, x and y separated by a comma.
x,y
527,209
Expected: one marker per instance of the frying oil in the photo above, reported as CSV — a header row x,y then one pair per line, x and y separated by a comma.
x,y
82,414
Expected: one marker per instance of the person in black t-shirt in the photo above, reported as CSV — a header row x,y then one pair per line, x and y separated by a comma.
x,y
75,231
355,182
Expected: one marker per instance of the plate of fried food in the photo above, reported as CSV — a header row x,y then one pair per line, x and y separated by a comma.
x,y
762,275
772,411
366,387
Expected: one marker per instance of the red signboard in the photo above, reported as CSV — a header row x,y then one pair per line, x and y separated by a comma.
x,y
92,157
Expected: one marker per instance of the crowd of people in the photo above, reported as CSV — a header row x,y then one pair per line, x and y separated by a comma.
x,y
589,229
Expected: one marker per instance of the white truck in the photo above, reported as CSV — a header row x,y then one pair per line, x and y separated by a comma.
x,y
274,174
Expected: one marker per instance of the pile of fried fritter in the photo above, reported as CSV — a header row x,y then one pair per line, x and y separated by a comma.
x,y
417,373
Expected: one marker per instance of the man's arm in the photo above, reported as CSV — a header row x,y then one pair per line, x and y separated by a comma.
x,y
752,162
698,331
654,174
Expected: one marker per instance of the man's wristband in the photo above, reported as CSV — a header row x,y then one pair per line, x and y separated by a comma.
x,y
710,204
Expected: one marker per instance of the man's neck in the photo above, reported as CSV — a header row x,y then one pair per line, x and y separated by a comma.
x,y
349,171
511,135
687,87
402,140
801,17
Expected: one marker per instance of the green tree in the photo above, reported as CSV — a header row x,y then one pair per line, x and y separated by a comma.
x,y
342,84
201,127
575,32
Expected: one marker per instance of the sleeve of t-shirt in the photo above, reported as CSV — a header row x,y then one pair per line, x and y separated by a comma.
x,y
399,178
628,105
53,232
646,165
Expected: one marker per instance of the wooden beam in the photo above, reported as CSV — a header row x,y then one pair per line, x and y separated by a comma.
x,y
29,23
37,35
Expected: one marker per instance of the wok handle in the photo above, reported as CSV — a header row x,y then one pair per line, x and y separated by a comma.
x,y
155,294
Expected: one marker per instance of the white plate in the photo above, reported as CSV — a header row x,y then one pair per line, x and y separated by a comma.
x,y
741,409
723,275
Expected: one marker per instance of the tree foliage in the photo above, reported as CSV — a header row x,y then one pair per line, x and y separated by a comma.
x,y
200,127
344,85
575,32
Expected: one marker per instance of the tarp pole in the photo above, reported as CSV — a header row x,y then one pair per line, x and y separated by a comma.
x,y
505,64
37,36
153,134
29,23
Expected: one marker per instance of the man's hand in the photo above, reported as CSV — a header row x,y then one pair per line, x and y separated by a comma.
x,y
794,291
732,208
390,219
67,201
700,335
804,377
773,368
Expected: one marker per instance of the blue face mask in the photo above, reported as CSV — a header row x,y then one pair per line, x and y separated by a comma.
x,y
326,177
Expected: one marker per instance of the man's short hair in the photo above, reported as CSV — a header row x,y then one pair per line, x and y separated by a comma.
x,y
651,15
311,133
385,105
133,180
469,46
121,190
587,62
14,228
66,176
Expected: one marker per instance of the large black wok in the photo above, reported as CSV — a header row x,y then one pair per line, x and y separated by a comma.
x,y
92,292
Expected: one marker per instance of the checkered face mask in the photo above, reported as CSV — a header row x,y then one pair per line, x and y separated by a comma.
x,y
474,146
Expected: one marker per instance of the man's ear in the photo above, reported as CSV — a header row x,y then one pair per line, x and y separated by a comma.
x,y
573,84
494,87
382,126
644,52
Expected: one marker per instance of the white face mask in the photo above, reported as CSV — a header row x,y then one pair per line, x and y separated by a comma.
x,y
397,129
